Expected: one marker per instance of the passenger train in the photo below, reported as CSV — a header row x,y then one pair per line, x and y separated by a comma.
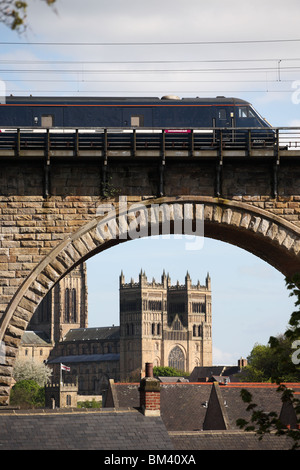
x,y
166,112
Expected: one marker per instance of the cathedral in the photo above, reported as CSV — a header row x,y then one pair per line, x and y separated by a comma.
x,y
165,324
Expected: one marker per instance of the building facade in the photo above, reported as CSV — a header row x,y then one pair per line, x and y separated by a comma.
x,y
165,324
93,355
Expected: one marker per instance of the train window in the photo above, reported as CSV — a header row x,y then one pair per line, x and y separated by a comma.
x,y
47,120
245,112
136,121
222,114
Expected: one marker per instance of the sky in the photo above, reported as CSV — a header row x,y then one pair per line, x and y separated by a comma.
x,y
244,49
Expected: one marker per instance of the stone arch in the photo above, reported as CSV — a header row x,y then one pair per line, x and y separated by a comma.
x,y
256,230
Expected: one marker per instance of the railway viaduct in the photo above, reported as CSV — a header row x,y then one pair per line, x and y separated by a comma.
x,y
52,214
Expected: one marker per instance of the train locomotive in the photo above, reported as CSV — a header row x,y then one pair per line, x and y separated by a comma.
x,y
148,113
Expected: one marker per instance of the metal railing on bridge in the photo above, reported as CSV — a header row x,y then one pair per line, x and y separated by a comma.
x,y
171,142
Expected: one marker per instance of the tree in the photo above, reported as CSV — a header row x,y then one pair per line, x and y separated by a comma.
x,y
271,362
13,13
32,370
27,394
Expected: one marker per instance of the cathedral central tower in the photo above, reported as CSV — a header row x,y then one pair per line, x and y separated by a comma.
x,y
165,324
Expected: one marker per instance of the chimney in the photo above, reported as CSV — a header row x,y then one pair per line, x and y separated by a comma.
x,y
242,363
150,393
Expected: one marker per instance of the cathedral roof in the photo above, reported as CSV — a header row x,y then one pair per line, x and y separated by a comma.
x,y
85,358
86,334
35,337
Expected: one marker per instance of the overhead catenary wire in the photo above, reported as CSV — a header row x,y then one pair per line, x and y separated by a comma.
x,y
157,61
83,81
150,43
150,91
145,71
276,65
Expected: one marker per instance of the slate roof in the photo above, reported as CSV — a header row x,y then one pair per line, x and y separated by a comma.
x,y
128,429
67,430
182,404
85,358
265,396
191,407
86,334
208,372
116,430
36,338
227,440
126,396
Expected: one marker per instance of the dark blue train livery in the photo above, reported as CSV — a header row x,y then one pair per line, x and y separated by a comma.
x,y
167,112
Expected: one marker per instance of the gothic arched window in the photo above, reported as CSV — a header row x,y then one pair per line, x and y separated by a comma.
x,y
177,359
74,306
67,304
70,305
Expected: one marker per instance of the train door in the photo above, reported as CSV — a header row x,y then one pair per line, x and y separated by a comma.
x,y
224,117
137,117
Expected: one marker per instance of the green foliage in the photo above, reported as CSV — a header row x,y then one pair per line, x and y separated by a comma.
x,y
109,190
27,394
89,404
272,362
293,285
169,372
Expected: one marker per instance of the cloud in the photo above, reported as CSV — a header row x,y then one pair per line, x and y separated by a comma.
x,y
224,358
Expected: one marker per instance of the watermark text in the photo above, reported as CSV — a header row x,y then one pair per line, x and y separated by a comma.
x,y
132,221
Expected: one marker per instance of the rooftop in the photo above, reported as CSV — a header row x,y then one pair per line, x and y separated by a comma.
x,y
88,334
86,430
85,358
38,338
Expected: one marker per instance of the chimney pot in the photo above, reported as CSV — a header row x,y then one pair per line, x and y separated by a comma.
x,y
149,369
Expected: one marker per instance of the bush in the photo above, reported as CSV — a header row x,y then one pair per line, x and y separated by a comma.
x,y
89,404
27,394
169,372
